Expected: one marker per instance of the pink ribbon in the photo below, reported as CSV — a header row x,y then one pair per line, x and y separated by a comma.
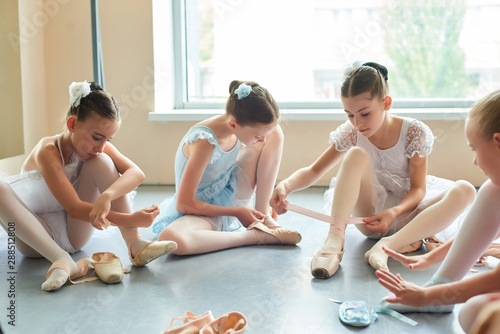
x,y
321,216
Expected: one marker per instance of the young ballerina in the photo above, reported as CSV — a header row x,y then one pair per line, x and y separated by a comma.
x,y
382,176
480,227
218,165
72,183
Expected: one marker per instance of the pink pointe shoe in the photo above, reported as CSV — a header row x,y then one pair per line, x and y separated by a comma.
x,y
231,323
325,264
284,236
191,324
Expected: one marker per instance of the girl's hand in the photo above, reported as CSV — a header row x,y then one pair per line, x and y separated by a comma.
x,y
416,262
99,212
381,222
404,292
278,202
248,216
145,217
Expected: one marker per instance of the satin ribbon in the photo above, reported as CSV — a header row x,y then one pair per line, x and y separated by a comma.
x,y
321,216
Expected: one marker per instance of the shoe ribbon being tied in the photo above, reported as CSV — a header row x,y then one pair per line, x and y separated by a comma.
x,y
321,216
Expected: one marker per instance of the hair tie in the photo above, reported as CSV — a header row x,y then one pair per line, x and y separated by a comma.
x,y
77,91
243,91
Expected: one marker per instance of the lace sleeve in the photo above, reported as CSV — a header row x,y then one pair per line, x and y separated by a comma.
x,y
344,137
419,139
207,135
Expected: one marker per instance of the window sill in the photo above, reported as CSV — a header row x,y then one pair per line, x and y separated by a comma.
x,y
423,114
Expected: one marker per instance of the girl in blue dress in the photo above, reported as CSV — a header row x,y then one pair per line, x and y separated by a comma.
x,y
220,164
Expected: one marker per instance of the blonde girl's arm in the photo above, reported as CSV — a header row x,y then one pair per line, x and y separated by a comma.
x,y
48,160
305,177
131,177
199,155
418,173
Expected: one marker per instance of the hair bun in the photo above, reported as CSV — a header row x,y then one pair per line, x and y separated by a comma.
x,y
381,68
95,86
234,85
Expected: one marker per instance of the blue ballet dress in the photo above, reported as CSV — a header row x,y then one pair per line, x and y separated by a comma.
x,y
218,183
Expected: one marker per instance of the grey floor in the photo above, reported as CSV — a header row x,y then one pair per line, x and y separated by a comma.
x,y
270,285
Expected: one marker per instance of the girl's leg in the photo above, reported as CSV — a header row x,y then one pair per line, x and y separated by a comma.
x,y
196,235
96,176
352,191
435,217
471,309
32,237
480,227
260,163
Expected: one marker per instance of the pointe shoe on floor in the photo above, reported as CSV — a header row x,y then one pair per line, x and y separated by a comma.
x,y
231,323
325,264
285,236
152,251
108,267
192,324
83,266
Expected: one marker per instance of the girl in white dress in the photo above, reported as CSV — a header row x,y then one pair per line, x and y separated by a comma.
x,y
72,183
382,177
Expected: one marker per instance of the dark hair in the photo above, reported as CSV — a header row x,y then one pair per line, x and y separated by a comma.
x,y
258,107
98,101
369,77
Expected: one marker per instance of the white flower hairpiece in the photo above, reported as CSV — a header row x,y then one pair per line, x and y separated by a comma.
x,y
353,66
78,90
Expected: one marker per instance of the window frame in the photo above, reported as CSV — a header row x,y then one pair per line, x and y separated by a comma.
x,y
184,110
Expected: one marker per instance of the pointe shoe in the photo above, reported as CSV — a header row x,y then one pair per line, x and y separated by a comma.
x,y
231,323
325,264
192,324
152,251
285,236
83,266
108,267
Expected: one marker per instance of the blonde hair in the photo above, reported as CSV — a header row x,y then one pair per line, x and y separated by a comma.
x,y
486,112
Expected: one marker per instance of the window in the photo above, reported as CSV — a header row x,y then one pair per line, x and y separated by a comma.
x,y
440,53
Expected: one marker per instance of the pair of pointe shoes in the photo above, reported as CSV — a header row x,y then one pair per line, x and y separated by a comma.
x,y
285,236
107,266
230,323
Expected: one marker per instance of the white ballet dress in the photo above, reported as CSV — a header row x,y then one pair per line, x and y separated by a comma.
x,y
33,191
390,167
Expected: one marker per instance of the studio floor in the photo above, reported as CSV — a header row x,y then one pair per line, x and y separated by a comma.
x,y
271,285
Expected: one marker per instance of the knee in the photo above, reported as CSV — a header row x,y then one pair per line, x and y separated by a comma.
x,y
356,155
465,191
171,234
4,190
470,310
100,161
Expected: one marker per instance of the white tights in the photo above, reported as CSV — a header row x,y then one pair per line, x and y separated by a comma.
x,y
33,237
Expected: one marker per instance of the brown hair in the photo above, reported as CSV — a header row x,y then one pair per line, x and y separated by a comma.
x,y
98,101
486,111
258,107
369,77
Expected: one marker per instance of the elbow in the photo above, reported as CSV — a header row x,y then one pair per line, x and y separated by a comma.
x,y
184,207
141,176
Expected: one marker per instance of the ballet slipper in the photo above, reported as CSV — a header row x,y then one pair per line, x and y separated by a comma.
x,y
411,247
192,324
83,268
325,264
412,309
152,251
108,267
231,323
268,221
432,243
284,236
